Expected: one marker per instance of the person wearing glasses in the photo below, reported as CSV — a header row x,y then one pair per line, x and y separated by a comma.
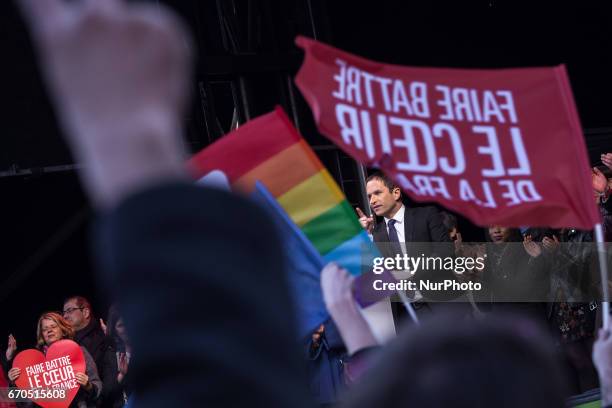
x,y
52,327
89,334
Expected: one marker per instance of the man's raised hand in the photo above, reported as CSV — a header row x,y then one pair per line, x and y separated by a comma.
x,y
366,222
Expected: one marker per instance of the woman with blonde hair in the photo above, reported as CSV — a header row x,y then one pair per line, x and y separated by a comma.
x,y
52,327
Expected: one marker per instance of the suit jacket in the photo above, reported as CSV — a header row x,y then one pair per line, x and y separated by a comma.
x,y
421,224
425,234
201,285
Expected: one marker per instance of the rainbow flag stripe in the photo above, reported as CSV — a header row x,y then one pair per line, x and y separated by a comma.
x,y
269,149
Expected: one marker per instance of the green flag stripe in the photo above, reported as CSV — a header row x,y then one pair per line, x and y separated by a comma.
x,y
333,227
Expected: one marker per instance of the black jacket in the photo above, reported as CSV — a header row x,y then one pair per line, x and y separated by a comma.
x,y
425,235
421,224
93,339
204,298
101,348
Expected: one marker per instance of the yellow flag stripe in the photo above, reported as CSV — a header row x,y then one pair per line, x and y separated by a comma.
x,y
311,198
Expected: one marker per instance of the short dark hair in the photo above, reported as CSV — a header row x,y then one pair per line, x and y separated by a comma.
x,y
498,361
387,181
81,301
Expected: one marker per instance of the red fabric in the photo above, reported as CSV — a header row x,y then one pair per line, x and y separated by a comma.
x,y
456,136
57,367
240,151
3,385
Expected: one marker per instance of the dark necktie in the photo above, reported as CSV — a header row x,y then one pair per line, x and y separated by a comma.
x,y
393,238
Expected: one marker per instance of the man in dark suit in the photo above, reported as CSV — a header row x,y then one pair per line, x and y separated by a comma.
x,y
418,224
414,232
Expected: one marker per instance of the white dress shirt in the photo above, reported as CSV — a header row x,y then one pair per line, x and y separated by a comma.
x,y
400,228
399,225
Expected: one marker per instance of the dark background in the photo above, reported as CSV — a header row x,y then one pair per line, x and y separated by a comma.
x,y
246,61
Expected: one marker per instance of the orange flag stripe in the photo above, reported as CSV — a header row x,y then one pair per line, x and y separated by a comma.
x,y
283,171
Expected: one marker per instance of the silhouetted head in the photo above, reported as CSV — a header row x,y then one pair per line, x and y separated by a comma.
x,y
448,362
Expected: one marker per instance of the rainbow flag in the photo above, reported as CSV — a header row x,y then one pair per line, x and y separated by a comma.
x,y
269,149
303,266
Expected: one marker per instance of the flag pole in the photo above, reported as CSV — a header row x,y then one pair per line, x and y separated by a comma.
x,y
361,172
603,269
408,306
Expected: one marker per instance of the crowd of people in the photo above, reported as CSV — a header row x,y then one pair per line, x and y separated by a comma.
x,y
105,346
548,277
205,299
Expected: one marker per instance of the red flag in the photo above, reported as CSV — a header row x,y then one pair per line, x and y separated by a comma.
x,y
499,146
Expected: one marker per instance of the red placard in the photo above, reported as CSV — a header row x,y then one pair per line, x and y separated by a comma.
x,y
55,370
499,146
